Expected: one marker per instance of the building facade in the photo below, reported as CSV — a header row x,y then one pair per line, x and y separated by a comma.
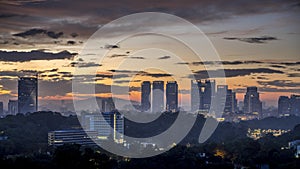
x,y
202,94
81,137
295,105
12,107
158,96
1,109
252,103
283,105
146,96
27,94
172,96
108,125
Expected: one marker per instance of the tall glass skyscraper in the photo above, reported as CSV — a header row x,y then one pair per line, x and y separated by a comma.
x,y
283,105
158,96
202,93
146,96
172,96
27,94
252,104
295,104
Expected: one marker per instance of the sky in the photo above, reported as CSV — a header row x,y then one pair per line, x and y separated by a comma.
x,y
257,42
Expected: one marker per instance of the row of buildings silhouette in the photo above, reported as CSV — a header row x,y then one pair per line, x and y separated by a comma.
x,y
204,92
153,94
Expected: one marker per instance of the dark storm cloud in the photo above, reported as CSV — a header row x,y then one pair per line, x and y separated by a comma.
x,y
270,89
12,74
279,83
74,35
262,78
221,62
165,57
291,63
262,39
7,15
136,57
71,42
141,73
294,75
84,64
84,18
15,56
157,75
277,66
111,46
117,55
125,81
33,32
133,88
232,72
126,71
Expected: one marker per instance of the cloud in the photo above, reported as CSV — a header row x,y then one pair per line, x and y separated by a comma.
x,y
202,74
262,39
125,81
136,57
294,75
54,14
117,55
15,56
84,64
279,83
74,35
33,32
270,89
221,62
278,66
156,75
291,63
111,46
274,89
165,57
125,71
141,73
71,42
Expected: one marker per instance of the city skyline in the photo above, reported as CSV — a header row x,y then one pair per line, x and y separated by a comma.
x,y
152,98
149,84
256,48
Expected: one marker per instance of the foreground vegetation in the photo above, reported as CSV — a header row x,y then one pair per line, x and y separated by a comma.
x,y
24,145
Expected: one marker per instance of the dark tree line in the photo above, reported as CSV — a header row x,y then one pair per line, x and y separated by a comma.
x,y
26,145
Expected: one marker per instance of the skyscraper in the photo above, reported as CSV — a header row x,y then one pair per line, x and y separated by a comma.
x,y
27,94
221,97
226,99
295,105
107,105
172,96
195,97
12,107
283,105
202,93
158,96
252,104
1,109
146,96
231,102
